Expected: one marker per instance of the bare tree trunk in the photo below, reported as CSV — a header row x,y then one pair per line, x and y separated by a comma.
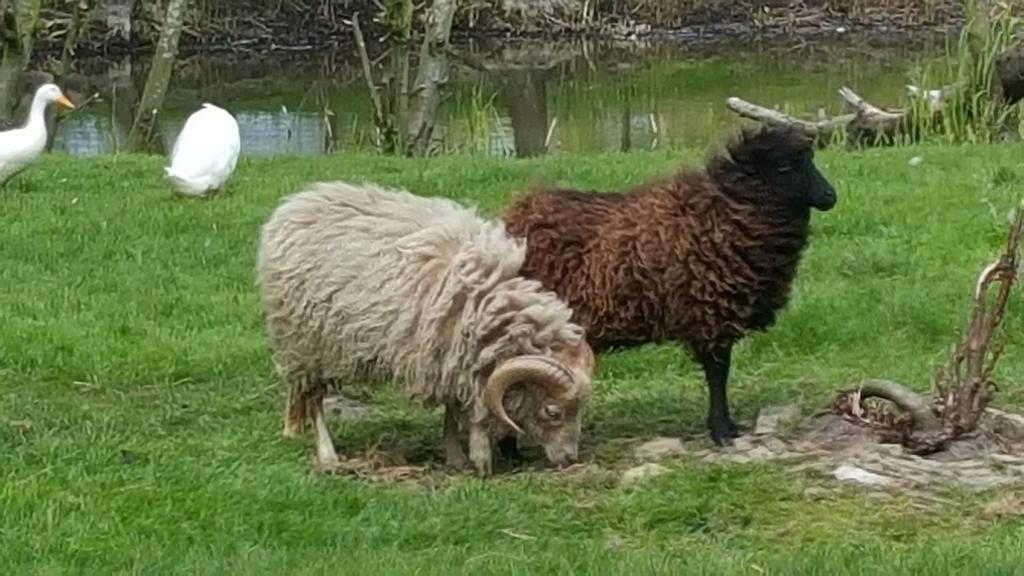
x,y
525,95
11,67
400,69
431,76
26,13
79,16
627,122
383,119
19,35
159,78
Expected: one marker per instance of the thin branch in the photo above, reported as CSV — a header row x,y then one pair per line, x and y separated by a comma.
x,y
378,109
769,116
865,108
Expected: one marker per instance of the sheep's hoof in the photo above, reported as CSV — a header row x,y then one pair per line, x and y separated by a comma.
x,y
457,460
731,430
328,463
483,469
721,441
723,431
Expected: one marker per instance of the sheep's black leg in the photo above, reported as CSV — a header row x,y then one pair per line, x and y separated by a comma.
x,y
716,371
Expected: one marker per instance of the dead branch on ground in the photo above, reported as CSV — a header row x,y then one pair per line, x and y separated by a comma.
x,y
867,124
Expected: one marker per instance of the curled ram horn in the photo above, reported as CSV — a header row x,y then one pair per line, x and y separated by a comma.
x,y
541,371
580,359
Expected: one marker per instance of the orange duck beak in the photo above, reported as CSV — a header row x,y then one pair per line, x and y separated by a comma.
x,y
63,101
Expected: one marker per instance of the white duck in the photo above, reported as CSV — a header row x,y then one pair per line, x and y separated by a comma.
x,y
205,153
22,146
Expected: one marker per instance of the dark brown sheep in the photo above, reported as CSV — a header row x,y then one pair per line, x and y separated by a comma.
x,y
700,257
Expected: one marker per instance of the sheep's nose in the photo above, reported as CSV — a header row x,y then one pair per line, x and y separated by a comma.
x,y
826,199
567,457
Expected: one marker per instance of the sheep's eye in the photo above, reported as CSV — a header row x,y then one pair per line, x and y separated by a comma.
x,y
552,412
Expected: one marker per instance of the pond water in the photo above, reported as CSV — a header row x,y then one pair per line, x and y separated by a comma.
x,y
519,98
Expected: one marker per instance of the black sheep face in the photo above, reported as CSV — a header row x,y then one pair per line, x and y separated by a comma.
x,y
776,164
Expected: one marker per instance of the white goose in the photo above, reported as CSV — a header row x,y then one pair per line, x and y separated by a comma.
x,y
22,146
205,153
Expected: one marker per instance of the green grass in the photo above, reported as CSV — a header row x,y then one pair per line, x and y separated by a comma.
x,y
140,416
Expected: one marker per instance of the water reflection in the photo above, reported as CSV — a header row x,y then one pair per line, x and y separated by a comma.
x,y
524,94
521,101
262,133
84,135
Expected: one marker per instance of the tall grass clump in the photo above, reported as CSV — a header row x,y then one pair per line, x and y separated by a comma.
x,y
975,110
472,122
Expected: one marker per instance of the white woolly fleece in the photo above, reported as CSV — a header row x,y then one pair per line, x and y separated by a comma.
x,y
363,277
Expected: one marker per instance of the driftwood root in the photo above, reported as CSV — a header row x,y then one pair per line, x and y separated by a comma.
x,y
963,389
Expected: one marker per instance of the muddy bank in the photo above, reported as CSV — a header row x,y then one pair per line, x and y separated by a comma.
x,y
314,24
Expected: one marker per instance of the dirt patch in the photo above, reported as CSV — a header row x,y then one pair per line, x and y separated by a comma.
x,y
347,408
846,452
838,451
377,465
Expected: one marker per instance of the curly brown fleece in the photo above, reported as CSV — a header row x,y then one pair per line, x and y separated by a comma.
x,y
702,257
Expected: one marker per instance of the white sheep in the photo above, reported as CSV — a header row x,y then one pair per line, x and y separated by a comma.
x,y
358,280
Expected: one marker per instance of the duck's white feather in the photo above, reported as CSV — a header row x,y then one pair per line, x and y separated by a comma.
x,y
206,152
22,146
